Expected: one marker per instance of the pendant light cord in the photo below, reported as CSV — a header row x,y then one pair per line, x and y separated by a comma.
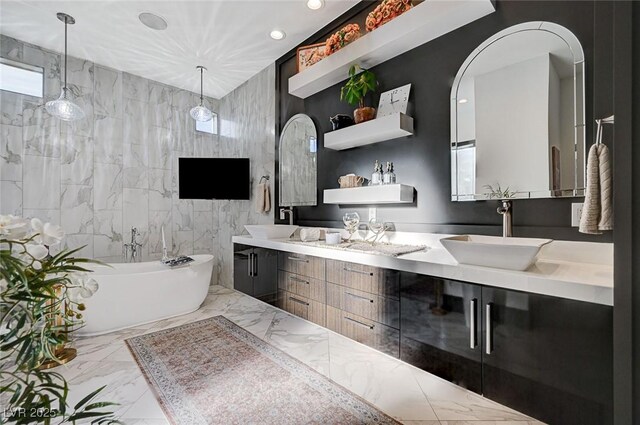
x,y
201,87
65,52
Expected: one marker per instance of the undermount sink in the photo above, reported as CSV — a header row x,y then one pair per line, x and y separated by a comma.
x,y
494,251
270,231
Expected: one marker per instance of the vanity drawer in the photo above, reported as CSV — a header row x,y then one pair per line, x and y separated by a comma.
x,y
364,278
365,331
364,304
304,307
308,287
304,265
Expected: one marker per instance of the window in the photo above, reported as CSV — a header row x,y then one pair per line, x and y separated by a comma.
x,y
210,126
20,78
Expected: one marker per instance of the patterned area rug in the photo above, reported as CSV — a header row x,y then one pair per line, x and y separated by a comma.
x,y
215,372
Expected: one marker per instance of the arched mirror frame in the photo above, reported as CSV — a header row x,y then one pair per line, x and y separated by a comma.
x,y
579,108
312,178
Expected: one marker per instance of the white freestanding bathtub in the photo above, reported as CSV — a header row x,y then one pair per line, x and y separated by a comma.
x,y
131,294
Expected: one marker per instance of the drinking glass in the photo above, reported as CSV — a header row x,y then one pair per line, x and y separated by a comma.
x,y
378,228
351,222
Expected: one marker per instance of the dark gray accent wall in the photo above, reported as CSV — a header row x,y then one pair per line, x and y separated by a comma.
x,y
423,160
632,320
627,203
625,236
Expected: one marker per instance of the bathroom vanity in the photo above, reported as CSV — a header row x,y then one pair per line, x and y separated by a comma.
x,y
538,341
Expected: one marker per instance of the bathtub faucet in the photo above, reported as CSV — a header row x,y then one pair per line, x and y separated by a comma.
x,y
132,251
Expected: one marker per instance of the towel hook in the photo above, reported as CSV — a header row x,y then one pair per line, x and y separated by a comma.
x,y
599,122
263,178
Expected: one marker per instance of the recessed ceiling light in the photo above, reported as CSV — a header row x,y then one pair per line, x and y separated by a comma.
x,y
277,34
315,4
463,101
153,21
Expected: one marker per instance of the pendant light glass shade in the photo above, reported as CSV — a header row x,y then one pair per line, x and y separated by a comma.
x,y
201,112
64,108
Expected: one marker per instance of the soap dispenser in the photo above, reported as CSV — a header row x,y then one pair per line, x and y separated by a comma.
x,y
376,177
388,173
391,175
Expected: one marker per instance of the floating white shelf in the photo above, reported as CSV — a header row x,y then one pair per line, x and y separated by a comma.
x,y
369,132
423,23
383,194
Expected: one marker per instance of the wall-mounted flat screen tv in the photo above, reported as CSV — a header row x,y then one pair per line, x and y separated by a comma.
x,y
213,178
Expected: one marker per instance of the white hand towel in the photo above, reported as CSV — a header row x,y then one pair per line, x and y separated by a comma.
x,y
260,198
597,209
606,193
267,198
309,234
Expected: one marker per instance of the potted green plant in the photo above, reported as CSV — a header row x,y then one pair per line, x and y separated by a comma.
x,y
361,81
41,304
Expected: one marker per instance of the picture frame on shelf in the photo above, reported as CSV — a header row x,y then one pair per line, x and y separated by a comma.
x,y
307,56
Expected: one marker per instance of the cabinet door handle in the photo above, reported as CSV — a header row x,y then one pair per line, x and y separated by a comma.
x,y
250,264
489,325
348,269
473,337
296,279
359,297
357,322
298,301
255,264
304,260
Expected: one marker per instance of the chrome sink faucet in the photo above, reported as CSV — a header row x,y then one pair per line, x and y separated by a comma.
x,y
507,225
284,211
132,251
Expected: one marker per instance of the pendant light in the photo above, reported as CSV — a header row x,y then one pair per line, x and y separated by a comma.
x,y
64,107
200,112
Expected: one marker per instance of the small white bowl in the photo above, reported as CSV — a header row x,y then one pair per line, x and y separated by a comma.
x,y
333,238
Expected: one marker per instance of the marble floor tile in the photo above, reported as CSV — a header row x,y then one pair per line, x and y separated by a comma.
x,y
123,380
421,422
454,403
300,339
409,394
491,423
143,421
145,407
382,380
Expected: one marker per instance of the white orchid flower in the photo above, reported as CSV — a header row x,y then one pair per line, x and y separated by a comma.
x,y
13,227
37,251
83,287
47,233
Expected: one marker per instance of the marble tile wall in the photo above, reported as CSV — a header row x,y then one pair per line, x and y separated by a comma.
x,y
247,129
117,168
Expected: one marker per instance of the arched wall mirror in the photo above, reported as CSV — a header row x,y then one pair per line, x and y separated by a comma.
x,y
298,162
518,116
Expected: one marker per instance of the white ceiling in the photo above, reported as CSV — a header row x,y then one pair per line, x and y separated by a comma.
x,y
231,38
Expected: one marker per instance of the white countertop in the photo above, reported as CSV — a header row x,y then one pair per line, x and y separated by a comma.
x,y
573,270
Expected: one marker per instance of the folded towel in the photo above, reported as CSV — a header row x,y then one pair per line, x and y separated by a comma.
x,y
606,193
267,198
309,234
263,198
597,209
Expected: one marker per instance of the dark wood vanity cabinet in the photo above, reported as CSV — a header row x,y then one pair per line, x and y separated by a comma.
x,y
548,357
302,288
440,328
255,272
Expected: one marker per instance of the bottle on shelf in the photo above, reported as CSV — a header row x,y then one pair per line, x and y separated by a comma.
x,y
376,177
386,177
391,174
